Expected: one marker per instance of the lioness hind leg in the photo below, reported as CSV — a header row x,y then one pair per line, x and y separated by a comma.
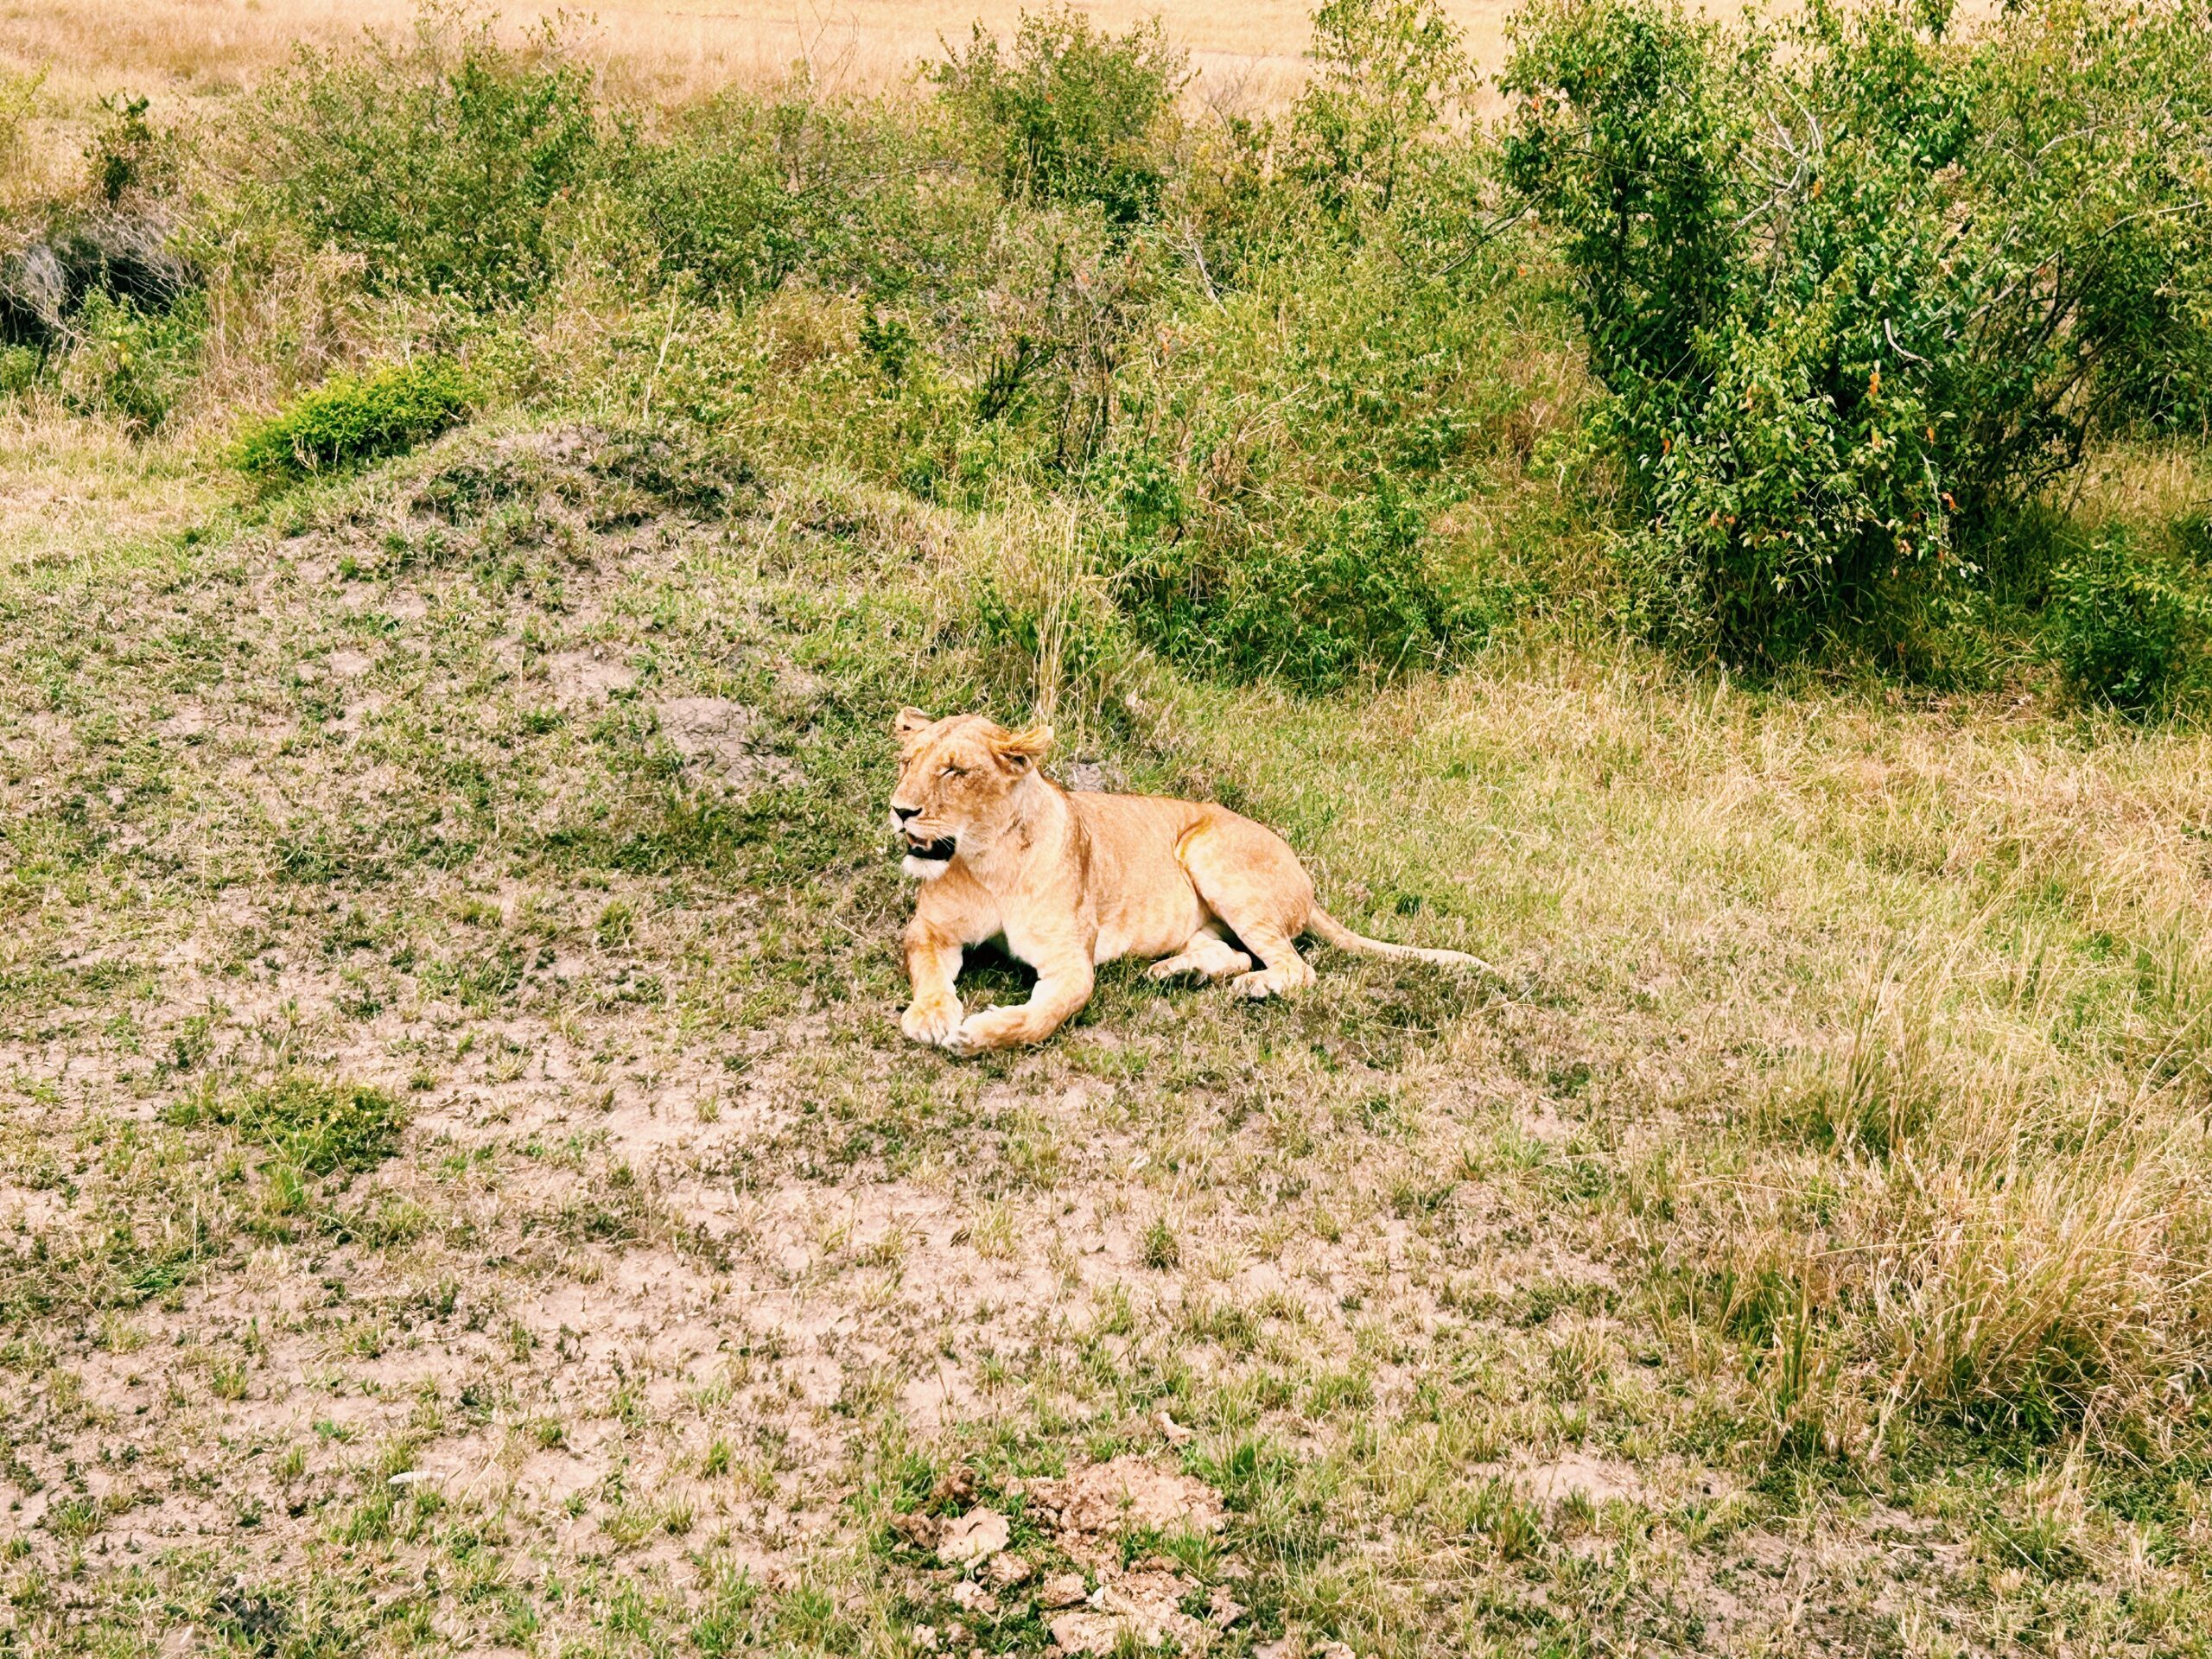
x,y
1287,971
1249,878
1206,954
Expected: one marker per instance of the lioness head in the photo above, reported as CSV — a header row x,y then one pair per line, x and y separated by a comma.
x,y
957,780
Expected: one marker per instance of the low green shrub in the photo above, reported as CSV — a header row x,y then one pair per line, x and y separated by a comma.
x,y
714,199
129,153
1365,589
19,369
354,418
2118,623
1076,116
1276,472
437,163
1387,74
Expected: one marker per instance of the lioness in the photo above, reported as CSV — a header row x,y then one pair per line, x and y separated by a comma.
x,y
1068,881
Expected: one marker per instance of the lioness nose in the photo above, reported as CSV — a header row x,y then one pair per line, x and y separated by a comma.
x,y
903,813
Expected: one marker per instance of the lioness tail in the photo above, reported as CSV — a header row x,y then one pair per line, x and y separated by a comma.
x,y
1328,928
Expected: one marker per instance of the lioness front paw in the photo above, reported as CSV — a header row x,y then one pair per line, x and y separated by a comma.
x,y
934,1023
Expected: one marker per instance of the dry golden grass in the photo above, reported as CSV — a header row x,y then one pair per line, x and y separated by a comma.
x,y
190,50
65,486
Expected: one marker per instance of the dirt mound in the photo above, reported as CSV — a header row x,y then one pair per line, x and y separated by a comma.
x,y
1129,1494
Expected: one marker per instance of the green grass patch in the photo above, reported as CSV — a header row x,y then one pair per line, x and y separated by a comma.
x,y
323,1125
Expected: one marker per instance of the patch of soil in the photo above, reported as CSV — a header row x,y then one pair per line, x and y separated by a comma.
x,y
1129,1494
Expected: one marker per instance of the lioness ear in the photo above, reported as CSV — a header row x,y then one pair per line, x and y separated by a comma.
x,y
1021,750
908,724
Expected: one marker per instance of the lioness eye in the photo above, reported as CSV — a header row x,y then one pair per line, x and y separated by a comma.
x,y
954,771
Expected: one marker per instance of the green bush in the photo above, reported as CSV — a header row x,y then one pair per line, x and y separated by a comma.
x,y
19,369
2118,624
743,193
714,200
1078,116
128,153
354,418
1275,478
1364,591
437,163
1852,284
1386,73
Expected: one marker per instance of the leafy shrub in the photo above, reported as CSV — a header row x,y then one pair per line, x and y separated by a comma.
x,y
1851,284
714,200
1366,588
130,362
1077,116
19,369
2118,623
319,1125
437,163
744,192
1388,71
354,418
1276,470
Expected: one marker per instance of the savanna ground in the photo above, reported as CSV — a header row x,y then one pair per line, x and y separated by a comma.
x,y
465,1189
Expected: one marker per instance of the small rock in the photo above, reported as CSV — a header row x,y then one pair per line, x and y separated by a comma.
x,y
1062,1590
956,1485
1137,1607
920,1530
975,1535
1006,1570
1085,1633
1224,1609
926,1637
970,1597
1175,1431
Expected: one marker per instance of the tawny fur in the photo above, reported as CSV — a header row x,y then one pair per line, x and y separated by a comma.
x,y
1069,881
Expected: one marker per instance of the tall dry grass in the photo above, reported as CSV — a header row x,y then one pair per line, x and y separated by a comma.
x,y
1251,53
1900,1011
